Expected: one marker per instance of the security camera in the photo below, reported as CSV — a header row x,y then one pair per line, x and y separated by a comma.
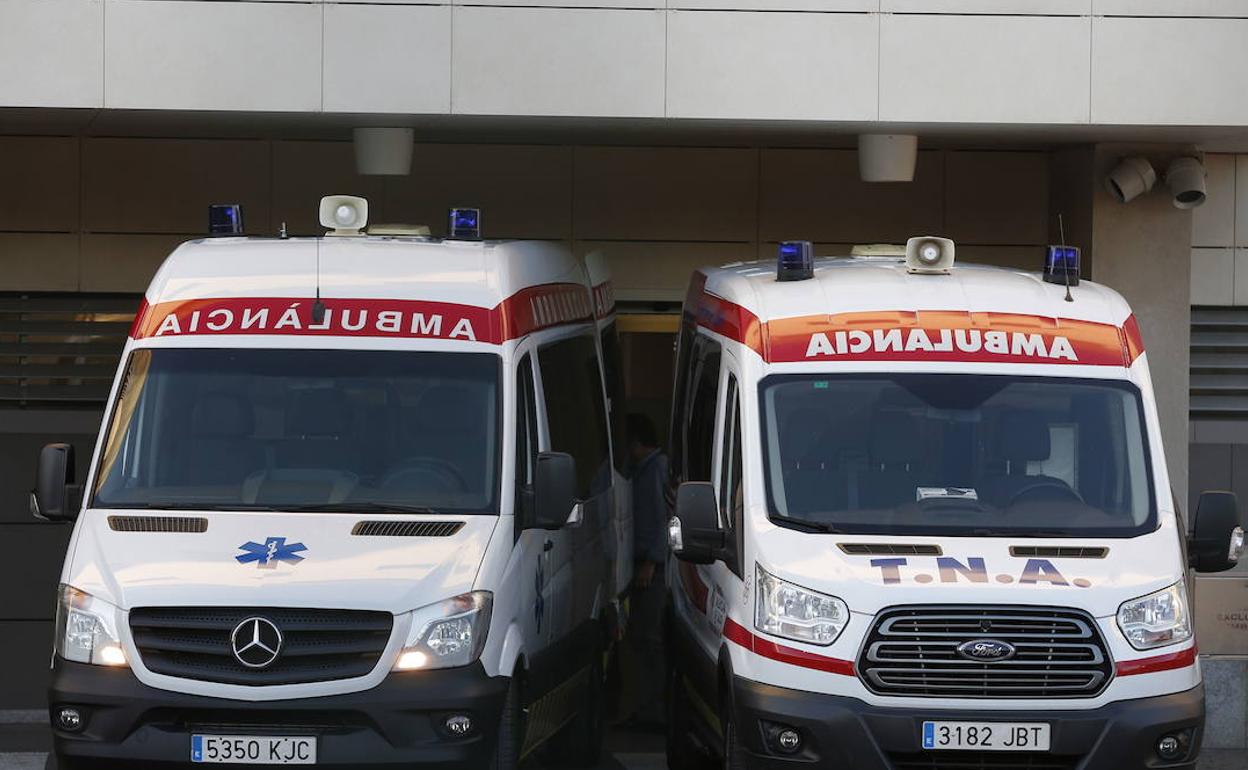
x,y
344,214
1185,178
1130,179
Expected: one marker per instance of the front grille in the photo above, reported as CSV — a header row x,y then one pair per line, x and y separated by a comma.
x,y
982,760
913,651
317,645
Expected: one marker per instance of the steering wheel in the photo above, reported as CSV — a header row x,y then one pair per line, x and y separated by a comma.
x,y
435,465
1044,485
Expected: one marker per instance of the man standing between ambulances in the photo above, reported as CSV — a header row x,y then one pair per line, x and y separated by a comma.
x,y
650,515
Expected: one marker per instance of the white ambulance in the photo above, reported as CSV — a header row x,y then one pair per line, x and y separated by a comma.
x,y
352,504
924,521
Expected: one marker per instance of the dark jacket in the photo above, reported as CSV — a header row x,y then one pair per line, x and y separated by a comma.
x,y
650,513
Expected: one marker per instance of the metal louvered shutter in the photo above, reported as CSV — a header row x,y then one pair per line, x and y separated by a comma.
x,y
61,350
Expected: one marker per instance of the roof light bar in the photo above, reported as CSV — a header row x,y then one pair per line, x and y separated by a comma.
x,y
795,261
225,219
465,224
1061,265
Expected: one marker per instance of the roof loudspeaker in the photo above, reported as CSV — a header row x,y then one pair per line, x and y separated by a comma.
x,y
384,151
887,157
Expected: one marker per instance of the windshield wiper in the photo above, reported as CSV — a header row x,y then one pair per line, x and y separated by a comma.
x,y
805,525
360,507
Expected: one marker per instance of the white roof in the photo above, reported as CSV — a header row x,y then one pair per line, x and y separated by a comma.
x,y
863,284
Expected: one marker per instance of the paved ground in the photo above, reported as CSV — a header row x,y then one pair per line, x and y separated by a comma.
x,y
24,747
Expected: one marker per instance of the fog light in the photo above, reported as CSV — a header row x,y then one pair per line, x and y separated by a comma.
x,y
789,741
459,725
1170,748
69,719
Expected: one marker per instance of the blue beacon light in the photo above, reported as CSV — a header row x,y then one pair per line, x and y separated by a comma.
x,y
795,262
225,219
465,224
1061,265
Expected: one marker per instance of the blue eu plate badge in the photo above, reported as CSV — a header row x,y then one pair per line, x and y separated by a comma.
x,y
197,748
929,735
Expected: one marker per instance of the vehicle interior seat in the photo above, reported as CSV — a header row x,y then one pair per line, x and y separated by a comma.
x,y
895,454
808,456
1022,438
442,443
223,450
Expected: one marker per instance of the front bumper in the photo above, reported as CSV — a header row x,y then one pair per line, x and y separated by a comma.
x,y
848,734
398,722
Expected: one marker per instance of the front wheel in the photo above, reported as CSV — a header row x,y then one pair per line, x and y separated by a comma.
x,y
734,755
510,730
682,752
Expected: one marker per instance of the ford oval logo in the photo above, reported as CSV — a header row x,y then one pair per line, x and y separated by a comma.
x,y
986,650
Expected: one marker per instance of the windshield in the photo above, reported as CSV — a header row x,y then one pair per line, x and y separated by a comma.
x,y
288,429
956,454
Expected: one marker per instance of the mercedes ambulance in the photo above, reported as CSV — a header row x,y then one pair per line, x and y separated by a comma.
x,y
924,521
352,504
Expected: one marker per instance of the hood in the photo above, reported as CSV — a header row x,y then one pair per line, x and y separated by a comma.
x,y
972,570
276,560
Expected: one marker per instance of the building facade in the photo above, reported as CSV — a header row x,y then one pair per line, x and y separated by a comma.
x,y
668,133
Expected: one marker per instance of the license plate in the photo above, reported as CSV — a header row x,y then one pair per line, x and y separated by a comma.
x,y
253,750
990,736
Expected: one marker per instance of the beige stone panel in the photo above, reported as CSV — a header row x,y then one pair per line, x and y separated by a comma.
x,y
522,191
39,183
666,193
997,198
1213,224
660,271
38,262
1241,200
304,172
166,185
816,195
1213,276
124,262
1222,615
1241,277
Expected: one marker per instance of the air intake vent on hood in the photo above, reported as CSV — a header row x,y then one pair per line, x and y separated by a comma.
x,y
889,549
184,524
407,528
1059,551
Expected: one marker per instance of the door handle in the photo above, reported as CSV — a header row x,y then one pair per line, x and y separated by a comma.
x,y
549,546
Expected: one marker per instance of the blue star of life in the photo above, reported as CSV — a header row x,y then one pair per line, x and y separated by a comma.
x,y
272,550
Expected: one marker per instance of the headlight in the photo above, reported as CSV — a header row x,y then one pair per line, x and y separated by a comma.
x,y
447,634
1157,619
793,612
86,629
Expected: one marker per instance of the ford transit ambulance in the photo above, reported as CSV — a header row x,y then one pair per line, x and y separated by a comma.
x,y
924,521
351,505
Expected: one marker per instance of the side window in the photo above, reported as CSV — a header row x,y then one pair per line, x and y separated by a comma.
x,y
730,502
575,412
703,396
676,434
526,433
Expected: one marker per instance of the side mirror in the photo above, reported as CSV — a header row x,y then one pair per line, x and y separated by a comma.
x,y
55,497
694,532
1217,538
554,491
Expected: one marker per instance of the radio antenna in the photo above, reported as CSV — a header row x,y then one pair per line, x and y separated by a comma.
x,y
318,307
1061,229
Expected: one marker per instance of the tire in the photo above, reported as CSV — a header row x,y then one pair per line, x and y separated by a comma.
x,y
510,730
682,752
579,743
734,755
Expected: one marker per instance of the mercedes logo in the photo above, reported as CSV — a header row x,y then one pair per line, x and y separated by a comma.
x,y
256,642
